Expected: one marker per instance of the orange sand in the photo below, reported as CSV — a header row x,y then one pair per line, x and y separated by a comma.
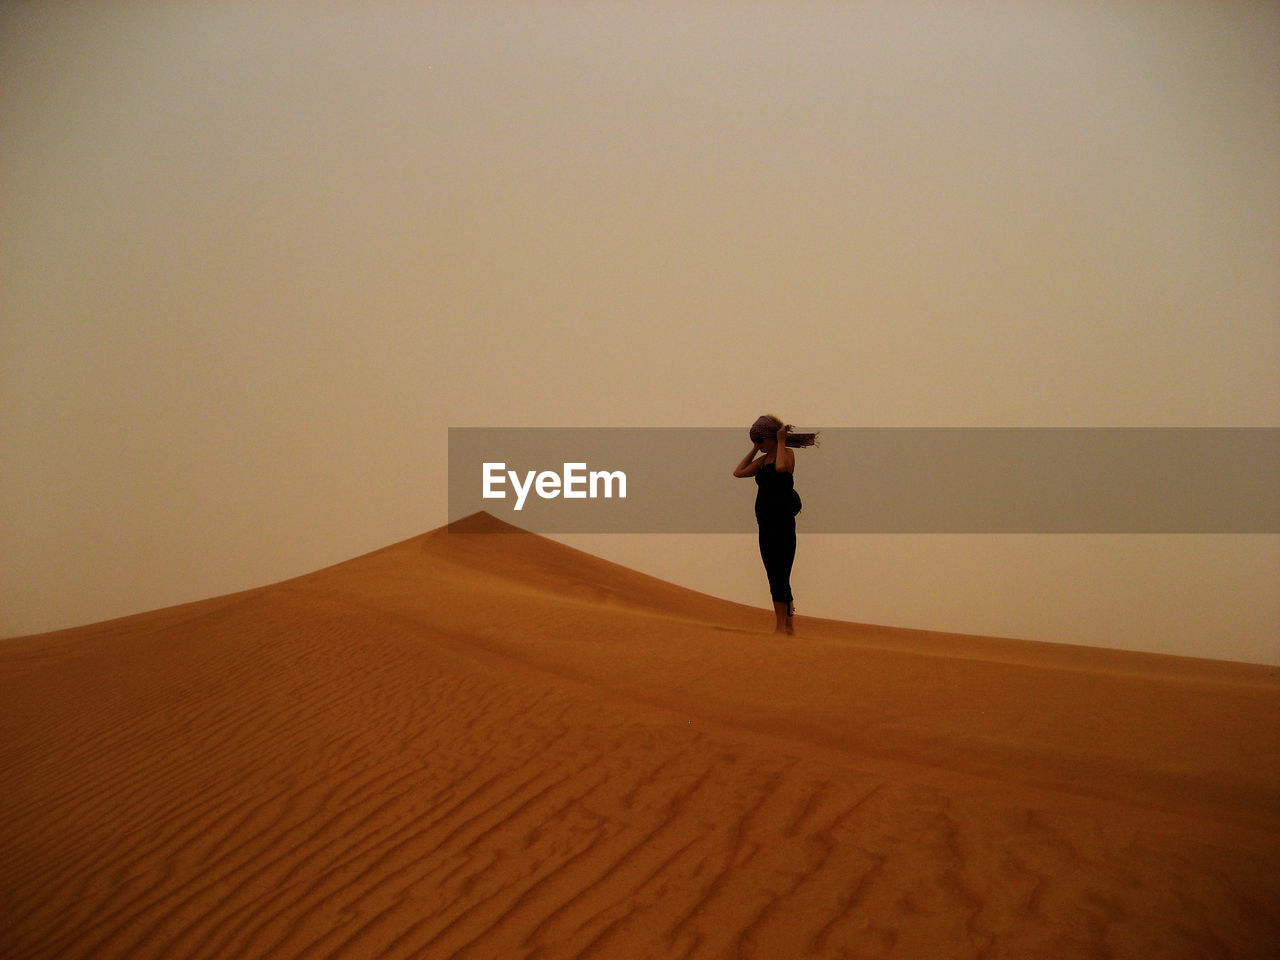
x,y
495,746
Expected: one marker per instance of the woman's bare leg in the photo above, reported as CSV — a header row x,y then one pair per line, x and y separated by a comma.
x,y
782,613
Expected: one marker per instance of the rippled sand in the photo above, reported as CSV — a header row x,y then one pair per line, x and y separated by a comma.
x,y
490,745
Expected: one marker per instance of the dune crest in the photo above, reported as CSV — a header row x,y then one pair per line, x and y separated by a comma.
x,y
481,743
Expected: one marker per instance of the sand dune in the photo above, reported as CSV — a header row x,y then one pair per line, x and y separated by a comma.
x,y
490,745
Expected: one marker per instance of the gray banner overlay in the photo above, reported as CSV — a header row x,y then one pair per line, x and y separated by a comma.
x,y
877,479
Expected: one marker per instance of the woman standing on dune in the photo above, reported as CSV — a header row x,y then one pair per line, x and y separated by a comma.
x,y
777,504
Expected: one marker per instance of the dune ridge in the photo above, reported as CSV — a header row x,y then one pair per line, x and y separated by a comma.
x,y
482,743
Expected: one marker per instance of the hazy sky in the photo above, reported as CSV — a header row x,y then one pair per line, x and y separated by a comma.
x,y
257,257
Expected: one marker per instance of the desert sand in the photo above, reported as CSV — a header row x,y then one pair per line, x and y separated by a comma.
x,y
491,745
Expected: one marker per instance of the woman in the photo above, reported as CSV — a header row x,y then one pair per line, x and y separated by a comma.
x,y
777,504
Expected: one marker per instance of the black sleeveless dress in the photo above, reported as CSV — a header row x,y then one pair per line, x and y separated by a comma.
x,y
777,504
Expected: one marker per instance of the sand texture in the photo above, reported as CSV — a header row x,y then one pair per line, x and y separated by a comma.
x,y
490,745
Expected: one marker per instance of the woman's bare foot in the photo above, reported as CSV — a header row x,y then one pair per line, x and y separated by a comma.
x,y
784,614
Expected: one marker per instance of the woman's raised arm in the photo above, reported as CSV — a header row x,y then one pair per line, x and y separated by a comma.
x,y
746,467
785,461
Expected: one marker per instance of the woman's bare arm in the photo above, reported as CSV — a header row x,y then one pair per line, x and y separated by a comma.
x,y
785,462
747,466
